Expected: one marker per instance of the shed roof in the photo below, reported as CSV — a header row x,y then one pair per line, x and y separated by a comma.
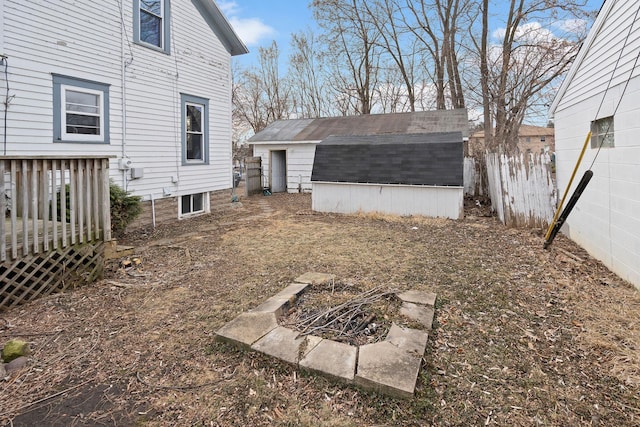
x,y
315,130
412,159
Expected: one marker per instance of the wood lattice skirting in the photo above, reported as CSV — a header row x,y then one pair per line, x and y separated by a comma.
x,y
38,275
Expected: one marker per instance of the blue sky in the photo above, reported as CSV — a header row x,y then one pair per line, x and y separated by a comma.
x,y
258,22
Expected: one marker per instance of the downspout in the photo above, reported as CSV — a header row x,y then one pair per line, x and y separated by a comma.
x,y
123,82
153,210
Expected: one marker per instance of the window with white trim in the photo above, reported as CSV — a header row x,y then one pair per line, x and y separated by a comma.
x,y
195,130
193,204
80,110
151,23
602,133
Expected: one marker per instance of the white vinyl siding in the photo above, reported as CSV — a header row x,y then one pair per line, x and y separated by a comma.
x,y
595,71
92,41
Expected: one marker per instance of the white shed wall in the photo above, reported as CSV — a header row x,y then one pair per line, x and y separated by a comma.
x,y
605,220
90,40
299,163
404,200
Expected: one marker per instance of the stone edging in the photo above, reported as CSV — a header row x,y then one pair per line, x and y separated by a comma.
x,y
390,366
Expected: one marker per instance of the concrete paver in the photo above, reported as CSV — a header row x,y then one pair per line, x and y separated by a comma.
x,y
286,344
387,368
247,328
418,297
333,358
422,314
313,278
390,366
411,340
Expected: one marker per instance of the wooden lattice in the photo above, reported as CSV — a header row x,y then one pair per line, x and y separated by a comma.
x,y
38,275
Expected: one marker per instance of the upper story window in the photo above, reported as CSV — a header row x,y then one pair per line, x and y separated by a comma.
x,y
80,110
151,23
602,133
195,129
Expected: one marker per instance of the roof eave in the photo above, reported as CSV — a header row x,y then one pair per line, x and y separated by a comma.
x,y
586,45
221,26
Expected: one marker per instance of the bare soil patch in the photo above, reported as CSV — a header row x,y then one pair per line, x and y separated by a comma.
x,y
522,336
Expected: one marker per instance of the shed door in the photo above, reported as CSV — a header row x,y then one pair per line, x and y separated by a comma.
x,y
278,171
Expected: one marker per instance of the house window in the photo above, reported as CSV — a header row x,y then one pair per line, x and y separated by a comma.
x,y
80,110
195,130
151,23
543,138
192,204
602,132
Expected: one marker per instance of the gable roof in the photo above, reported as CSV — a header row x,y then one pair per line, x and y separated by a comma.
x,y
300,130
582,53
220,26
411,159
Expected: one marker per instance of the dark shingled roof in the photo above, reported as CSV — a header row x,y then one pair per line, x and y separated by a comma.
x,y
370,124
416,159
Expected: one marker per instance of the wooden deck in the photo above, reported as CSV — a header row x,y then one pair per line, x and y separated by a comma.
x,y
57,219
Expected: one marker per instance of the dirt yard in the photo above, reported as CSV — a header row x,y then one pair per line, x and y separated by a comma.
x,y
522,336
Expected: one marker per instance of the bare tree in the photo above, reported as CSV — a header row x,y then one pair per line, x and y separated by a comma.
x,y
435,25
397,43
354,44
260,96
516,72
307,80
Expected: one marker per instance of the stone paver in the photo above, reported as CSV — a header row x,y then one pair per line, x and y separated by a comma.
x,y
390,366
387,368
282,300
411,340
418,297
247,328
422,314
333,358
286,344
315,278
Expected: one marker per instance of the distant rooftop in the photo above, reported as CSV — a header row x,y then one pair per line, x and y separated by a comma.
x,y
370,124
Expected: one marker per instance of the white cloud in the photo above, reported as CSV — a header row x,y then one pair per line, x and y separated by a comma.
x,y
531,32
228,7
573,26
250,30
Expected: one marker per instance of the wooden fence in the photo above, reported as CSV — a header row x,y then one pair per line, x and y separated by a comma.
x,y
522,189
56,220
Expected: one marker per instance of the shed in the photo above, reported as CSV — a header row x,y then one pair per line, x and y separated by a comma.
x,y
287,147
411,174
605,220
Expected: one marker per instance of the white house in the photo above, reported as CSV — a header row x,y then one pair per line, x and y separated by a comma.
x,y
602,94
287,147
145,82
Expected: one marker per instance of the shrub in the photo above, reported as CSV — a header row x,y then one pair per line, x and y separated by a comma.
x,y
124,207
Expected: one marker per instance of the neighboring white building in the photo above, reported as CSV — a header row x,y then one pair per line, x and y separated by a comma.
x,y
287,147
145,82
606,219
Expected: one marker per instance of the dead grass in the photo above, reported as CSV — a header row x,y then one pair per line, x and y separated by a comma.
x,y
523,336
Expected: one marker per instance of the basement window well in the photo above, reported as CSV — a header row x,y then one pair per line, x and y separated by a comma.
x,y
193,204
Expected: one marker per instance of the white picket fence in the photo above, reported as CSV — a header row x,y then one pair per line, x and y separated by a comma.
x,y
522,189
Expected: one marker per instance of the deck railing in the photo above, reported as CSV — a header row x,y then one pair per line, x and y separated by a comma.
x,y
50,203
